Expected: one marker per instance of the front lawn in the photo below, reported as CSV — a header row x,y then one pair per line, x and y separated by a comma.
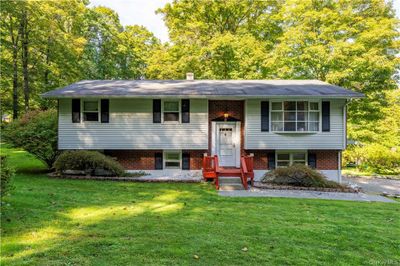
x,y
74,222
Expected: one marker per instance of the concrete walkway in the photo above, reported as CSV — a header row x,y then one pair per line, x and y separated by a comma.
x,y
374,185
254,192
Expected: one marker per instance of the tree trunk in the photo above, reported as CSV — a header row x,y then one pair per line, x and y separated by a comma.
x,y
15,82
46,71
14,41
25,56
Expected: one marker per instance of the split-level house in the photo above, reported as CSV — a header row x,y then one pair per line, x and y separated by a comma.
x,y
166,126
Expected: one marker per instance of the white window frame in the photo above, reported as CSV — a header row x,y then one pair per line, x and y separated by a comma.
x,y
83,110
165,160
308,112
179,111
291,160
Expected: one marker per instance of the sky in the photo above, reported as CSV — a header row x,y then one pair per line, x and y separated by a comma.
x,y
139,12
142,12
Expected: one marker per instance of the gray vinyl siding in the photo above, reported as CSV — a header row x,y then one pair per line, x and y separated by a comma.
x,y
131,127
256,139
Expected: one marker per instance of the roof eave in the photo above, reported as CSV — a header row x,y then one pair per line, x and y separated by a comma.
x,y
203,96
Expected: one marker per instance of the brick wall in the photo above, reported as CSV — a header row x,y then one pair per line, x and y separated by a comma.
x,y
260,158
144,159
217,109
134,159
326,159
196,159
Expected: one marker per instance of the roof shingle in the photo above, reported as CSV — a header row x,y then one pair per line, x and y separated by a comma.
x,y
201,89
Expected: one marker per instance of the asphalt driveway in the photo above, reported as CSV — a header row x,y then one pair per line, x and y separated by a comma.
x,y
375,185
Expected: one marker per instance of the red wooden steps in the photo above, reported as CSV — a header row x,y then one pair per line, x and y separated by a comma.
x,y
229,172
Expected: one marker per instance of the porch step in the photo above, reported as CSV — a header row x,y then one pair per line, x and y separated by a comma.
x,y
230,183
229,180
231,187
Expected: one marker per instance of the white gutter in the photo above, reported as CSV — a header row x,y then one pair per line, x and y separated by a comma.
x,y
216,97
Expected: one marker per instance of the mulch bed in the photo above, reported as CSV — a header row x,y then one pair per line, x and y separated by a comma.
x,y
280,187
128,179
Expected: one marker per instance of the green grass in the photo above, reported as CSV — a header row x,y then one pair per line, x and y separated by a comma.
x,y
74,222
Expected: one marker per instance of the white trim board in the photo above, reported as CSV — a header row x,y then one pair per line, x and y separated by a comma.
x,y
215,126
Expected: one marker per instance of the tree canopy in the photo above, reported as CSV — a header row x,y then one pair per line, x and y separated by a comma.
x,y
350,43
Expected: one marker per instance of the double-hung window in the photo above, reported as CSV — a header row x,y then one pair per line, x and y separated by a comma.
x,y
284,159
91,110
295,116
172,159
171,111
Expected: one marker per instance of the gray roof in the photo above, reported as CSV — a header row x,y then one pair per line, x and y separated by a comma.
x,y
201,89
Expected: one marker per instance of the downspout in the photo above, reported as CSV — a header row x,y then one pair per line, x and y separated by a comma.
x,y
344,140
340,166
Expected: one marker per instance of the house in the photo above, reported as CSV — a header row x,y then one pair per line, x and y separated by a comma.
x,y
167,126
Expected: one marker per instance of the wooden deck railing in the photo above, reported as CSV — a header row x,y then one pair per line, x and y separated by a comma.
x,y
211,170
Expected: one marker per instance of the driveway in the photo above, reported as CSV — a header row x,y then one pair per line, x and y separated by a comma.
x,y
375,185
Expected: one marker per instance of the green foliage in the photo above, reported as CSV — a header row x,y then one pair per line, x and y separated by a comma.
x,y
68,41
88,161
35,132
300,176
378,140
374,157
7,174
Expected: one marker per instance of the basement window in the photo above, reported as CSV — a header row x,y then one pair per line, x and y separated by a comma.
x,y
172,159
285,159
91,110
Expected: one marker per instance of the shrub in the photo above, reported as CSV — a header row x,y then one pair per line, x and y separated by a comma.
x,y
298,175
35,132
374,157
7,173
91,162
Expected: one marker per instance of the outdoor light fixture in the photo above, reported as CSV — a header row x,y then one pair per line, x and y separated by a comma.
x,y
226,115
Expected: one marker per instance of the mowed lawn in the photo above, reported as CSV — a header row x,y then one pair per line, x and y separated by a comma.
x,y
72,222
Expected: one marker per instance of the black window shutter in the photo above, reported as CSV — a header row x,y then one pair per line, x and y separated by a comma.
x,y
76,110
158,156
156,111
312,160
326,116
271,160
105,110
264,116
185,161
185,111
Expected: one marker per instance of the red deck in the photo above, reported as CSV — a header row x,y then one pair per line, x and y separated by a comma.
x,y
211,170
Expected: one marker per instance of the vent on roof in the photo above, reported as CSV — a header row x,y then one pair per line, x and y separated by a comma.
x,y
189,76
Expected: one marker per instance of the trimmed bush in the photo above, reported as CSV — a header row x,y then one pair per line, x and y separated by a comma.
x,y
35,132
300,176
90,162
7,173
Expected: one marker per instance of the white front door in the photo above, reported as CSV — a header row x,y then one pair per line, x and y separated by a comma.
x,y
226,145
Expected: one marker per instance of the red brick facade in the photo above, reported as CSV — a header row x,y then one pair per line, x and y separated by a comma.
x,y
326,159
235,109
260,158
145,159
134,159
